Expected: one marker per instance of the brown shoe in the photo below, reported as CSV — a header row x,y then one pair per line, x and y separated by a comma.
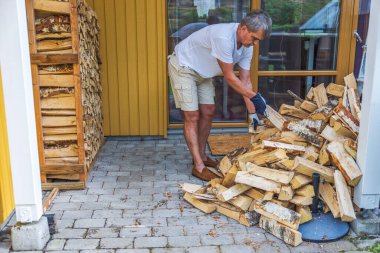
x,y
211,163
205,175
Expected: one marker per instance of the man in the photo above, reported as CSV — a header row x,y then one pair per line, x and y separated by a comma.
x,y
209,52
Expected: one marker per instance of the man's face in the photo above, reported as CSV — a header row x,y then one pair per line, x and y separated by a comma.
x,y
251,38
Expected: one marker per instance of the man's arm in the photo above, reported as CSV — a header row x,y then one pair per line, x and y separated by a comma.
x,y
246,81
243,85
234,81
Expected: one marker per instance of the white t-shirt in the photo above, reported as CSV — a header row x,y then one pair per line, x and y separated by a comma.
x,y
200,50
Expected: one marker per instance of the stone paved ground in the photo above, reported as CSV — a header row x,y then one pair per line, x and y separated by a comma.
x,y
132,203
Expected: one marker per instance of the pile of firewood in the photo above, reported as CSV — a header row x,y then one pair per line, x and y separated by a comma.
x,y
90,80
271,182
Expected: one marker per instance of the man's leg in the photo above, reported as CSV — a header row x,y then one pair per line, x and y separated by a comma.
x,y
191,130
207,113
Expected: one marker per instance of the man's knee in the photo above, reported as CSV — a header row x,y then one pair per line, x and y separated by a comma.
x,y
207,111
191,116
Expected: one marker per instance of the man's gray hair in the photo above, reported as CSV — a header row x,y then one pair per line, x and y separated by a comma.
x,y
257,20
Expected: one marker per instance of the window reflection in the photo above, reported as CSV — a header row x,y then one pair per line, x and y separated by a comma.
x,y
304,35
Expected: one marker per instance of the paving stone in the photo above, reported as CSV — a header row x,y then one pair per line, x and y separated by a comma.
x,y
133,251
236,249
65,206
307,247
101,191
168,231
95,206
338,246
116,243
136,232
271,246
166,213
72,192
102,232
70,233
65,223
84,198
62,199
364,243
203,249
115,185
82,244
198,229
133,213
207,240
124,191
184,241
212,219
191,212
113,198
182,221
107,214
150,242
63,251
231,229
82,214
168,250
138,185
55,244
251,239
90,223
124,205
140,197
98,251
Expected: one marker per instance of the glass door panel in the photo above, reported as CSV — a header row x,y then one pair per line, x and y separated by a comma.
x,y
274,88
304,35
188,16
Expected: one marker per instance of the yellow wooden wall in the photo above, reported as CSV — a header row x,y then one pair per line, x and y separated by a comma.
x,y
6,191
133,53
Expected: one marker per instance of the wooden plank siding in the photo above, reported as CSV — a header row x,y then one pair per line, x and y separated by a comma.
x,y
133,53
6,190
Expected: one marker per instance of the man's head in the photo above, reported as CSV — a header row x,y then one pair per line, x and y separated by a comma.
x,y
254,27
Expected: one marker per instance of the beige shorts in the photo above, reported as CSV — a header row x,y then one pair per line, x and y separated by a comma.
x,y
189,88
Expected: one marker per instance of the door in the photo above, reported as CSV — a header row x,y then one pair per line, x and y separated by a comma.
x,y
311,43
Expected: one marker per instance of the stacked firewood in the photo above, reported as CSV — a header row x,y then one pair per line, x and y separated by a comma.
x,y
69,93
90,79
271,182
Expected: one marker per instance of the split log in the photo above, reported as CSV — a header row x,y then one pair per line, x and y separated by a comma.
x,y
71,150
305,213
266,134
328,194
323,113
286,193
288,235
345,163
346,208
300,180
324,157
304,132
350,81
335,90
278,213
343,131
244,177
308,106
293,111
232,192
354,103
287,147
329,134
229,178
301,200
349,120
310,94
254,193
320,95
283,177
285,164
271,157
275,118
241,201
307,168
306,191
245,218
201,205
351,148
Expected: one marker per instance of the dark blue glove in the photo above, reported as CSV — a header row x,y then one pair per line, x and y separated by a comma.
x,y
259,103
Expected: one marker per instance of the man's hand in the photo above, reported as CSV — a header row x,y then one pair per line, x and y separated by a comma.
x,y
255,121
260,103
